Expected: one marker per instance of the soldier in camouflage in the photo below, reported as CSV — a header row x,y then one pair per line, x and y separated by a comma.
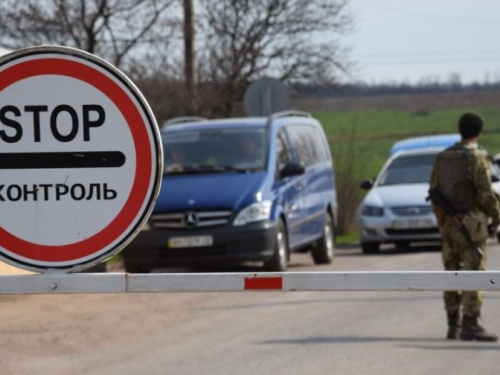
x,y
461,173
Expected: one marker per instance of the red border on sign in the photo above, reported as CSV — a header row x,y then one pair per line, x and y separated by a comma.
x,y
143,168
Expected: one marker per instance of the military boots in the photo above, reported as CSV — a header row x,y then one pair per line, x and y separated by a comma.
x,y
471,330
453,325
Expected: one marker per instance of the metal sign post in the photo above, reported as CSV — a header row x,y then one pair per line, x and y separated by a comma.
x,y
80,159
266,96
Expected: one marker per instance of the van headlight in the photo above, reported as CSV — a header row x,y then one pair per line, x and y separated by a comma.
x,y
255,212
372,211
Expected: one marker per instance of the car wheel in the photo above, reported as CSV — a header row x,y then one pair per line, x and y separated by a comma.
x,y
135,268
370,247
324,250
279,261
498,236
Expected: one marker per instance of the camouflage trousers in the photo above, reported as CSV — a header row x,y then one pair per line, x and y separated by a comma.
x,y
457,255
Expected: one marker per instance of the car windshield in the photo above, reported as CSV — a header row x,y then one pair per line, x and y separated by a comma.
x,y
214,150
411,169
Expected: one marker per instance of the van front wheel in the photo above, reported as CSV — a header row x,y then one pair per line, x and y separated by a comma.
x,y
324,250
131,267
279,261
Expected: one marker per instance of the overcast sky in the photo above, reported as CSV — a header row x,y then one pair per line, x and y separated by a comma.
x,y
410,40
414,40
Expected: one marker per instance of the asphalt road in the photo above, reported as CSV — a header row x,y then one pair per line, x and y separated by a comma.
x,y
249,332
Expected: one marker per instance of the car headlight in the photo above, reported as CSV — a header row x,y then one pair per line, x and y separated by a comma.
x,y
255,212
372,211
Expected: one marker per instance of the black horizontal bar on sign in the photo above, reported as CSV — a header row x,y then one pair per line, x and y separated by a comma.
x,y
50,160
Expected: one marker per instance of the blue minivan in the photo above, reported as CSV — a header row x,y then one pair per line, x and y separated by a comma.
x,y
247,189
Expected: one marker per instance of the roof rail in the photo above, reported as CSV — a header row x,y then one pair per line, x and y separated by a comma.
x,y
180,120
289,113
292,112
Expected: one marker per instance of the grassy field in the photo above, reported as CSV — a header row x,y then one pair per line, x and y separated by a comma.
x,y
361,133
372,132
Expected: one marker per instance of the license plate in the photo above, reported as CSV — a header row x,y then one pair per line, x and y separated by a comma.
x,y
412,224
190,241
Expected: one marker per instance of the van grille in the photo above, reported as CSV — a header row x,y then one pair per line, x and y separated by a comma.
x,y
190,219
411,210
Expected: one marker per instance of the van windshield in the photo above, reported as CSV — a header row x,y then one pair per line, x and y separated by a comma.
x,y
214,150
411,169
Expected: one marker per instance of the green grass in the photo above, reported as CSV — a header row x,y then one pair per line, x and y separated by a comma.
x,y
373,132
346,239
364,138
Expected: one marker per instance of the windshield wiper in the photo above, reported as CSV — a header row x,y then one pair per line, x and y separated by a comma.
x,y
404,183
205,168
220,168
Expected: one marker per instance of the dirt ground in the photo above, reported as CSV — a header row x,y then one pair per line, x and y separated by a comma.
x,y
7,269
247,333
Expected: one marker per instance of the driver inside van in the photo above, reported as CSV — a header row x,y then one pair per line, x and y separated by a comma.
x,y
177,159
178,154
250,149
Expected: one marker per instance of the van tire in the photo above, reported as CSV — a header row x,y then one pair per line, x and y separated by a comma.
x,y
279,261
370,247
324,250
134,268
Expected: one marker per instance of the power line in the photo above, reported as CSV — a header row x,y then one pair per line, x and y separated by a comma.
x,y
431,15
440,53
442,61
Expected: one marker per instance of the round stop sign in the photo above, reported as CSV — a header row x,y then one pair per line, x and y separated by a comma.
x,y
80,159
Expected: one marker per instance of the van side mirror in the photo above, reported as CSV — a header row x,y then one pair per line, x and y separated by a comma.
x,y
367,184
292,169
495,178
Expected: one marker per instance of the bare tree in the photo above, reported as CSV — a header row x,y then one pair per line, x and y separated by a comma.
x,y
293,40
108,28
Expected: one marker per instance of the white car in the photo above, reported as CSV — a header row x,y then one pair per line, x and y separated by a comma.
x,y
443,141
396,210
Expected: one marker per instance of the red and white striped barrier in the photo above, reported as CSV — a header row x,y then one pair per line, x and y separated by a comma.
x,y
58,283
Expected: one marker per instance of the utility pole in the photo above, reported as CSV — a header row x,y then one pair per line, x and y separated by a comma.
x,y
189,56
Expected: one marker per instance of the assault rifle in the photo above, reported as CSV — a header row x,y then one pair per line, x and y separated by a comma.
x,y
437,197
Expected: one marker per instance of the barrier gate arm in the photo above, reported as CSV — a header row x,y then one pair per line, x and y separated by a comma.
x,y
90,283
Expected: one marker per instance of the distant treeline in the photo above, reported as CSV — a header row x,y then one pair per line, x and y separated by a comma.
x,y
353,90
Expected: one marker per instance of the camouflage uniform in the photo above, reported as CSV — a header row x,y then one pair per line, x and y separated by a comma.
x,y
457,252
